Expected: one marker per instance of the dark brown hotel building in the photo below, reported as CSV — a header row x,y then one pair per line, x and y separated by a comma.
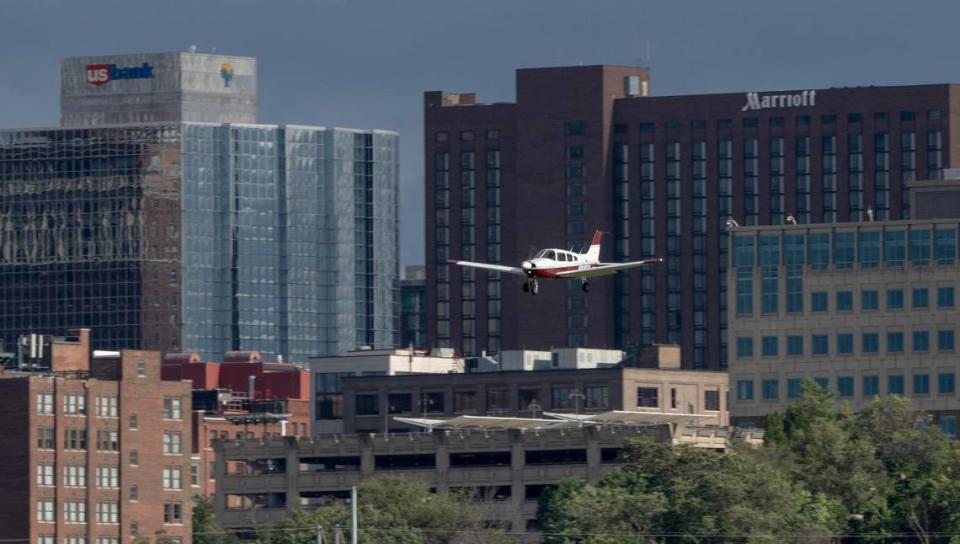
x,y
586,148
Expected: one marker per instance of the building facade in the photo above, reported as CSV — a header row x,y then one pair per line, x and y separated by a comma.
x,y
862,309
587,147
96,449
413,308
201,237
157,87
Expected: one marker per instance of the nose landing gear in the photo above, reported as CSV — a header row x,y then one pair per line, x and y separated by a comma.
x,y
531,287
586,287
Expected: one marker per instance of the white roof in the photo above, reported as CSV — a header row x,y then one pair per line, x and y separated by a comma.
x,y
557,421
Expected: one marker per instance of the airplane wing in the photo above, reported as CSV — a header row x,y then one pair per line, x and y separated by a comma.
x,y
605,269
488,266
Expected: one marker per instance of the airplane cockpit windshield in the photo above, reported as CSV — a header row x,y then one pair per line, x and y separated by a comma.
x,y
549,254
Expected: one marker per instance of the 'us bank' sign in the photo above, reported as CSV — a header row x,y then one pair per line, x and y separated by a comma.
x,y
798,100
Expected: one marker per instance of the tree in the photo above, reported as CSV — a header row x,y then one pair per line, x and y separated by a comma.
x,y
206,530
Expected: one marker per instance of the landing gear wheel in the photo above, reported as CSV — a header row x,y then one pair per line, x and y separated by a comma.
x,y
526,287
534,287
586,287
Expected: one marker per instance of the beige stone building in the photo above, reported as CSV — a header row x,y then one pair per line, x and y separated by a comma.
x,y
863,309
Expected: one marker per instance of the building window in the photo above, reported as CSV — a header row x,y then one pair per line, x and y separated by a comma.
x,y
133,493
465,402
106,406
108,477
920,297
711,400
744,346
171,443
946,384
75,476
574,128
894,299
647,397
171,478
141,369
921,341
818,301
845,386
45,512
108,540
794,388
45,475
134,422
921,384
844,301
945,340
745,390
769,346
820,344
597,397
400,403
47,539
948,426
195,473
871,342
498,400
441,137
432,402
45,403
944,297
172,513
108,512
108,441
894,342
74,405
367,405
75,511
844,344
466,136
171,408
895,385
871,386
822,383
46,440
870,299
75,439
771,389
795,345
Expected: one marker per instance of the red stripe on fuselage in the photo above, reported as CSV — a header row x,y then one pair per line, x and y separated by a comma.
x,y
552,272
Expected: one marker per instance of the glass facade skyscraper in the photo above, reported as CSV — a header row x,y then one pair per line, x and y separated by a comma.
x,y
201,237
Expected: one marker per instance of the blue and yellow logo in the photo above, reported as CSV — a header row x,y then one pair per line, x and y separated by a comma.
x,y
226,72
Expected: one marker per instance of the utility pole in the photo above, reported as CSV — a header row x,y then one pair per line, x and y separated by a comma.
x,y
319,534
353,514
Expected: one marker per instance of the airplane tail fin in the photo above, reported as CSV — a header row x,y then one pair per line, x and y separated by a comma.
x,y
593,253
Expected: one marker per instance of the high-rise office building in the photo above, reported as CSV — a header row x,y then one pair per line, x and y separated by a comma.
x,y
202,237
587,147
413,302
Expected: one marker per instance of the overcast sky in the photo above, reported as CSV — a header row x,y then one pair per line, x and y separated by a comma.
x,y
365,63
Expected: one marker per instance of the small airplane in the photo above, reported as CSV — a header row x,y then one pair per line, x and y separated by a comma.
x,y
561,264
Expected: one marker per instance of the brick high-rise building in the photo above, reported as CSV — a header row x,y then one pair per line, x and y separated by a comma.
x,y
96,447
586,148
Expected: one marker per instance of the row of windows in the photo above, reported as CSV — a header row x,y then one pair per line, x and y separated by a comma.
x,y
826,119
107,440
108,512
870,299
467,136
106,406
845,343
497,400
846,387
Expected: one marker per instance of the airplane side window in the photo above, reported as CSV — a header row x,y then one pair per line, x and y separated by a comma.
x,y
549,255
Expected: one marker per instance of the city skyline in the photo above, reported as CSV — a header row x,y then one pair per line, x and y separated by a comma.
x,y
758,48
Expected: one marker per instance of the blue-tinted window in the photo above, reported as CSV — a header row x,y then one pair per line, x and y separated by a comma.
x,y
919,247
769,346
948,426
744,346
795,345
946,383
818,301
871,385
794,258
771,389
844,249
946,245
794,388
743,261
820,250
845,386
894,299
894,342
870,299
820,344
871,342
895,385
945,340
844,301
921,384
844,343
769,269
944,297
869,249
921,341
822,383
920,297
894,248
745,390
